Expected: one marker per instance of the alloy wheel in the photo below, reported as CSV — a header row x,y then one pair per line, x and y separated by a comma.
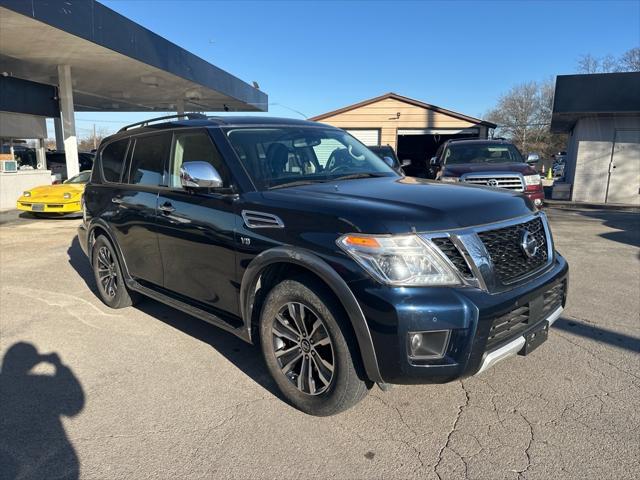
x,y
107,272
303,348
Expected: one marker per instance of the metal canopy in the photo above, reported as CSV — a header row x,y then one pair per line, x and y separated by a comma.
x,y
116,64
594,95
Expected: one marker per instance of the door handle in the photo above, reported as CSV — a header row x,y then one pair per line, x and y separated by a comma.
x,y
116,200
167,207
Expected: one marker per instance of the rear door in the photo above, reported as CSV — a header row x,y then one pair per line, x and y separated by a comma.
x,y
135,201
196,229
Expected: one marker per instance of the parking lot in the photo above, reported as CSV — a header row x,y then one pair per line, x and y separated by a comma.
x,y
153,393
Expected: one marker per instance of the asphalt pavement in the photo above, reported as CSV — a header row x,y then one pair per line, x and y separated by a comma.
x,y
149,392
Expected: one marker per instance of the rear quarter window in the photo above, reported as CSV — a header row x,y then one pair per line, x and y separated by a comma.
x,y
112,160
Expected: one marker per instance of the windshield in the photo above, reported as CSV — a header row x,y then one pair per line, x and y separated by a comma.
x,y
481,153
281,156
82,177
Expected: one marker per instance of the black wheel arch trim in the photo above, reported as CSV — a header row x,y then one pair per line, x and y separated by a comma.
x,y
104,226
319,267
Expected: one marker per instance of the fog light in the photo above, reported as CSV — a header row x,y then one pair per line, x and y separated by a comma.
x,y
537,202
66,195
428,345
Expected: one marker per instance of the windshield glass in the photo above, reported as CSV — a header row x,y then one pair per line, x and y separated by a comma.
x,y
280,156
82,177
481,153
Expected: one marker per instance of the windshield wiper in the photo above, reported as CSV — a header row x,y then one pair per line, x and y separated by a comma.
x,y
359,175
296,183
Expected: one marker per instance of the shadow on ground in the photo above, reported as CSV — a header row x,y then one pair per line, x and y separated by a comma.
x,y
33,442
627,224
599,334
248,358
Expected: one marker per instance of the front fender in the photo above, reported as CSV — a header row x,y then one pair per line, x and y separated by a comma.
x,y
319,267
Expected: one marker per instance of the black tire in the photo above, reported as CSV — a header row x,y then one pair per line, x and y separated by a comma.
x,y
113,292
311,392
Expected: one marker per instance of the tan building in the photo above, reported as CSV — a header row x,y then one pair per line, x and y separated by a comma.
x,y
413,128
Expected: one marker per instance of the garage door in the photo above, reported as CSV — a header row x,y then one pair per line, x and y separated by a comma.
x,y
368,137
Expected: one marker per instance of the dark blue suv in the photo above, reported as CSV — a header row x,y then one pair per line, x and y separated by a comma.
x,y
293,235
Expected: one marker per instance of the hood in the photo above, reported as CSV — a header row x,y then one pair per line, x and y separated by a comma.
x,y
56,191
487,168
393,205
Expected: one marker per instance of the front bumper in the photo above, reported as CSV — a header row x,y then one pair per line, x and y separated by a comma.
x,y
28,204
468,312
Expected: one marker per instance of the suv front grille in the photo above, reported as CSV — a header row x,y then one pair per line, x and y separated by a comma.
x,y
553,298
509,260
512,324
508,326
450,250
510,182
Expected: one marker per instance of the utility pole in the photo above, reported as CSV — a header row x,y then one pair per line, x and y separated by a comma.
x,y
94,137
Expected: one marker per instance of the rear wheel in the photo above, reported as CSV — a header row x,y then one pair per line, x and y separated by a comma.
x,y
307,347
108,274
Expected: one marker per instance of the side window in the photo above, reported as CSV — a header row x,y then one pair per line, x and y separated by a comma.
x,y
150,154
112,160
195,147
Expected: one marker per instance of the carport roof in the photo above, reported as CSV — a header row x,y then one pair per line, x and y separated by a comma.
x,y
593,95
408,100
116,64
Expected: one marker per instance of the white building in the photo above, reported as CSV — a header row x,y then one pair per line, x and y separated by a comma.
x,y
601,114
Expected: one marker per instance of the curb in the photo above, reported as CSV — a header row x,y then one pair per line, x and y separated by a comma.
x,y
564,204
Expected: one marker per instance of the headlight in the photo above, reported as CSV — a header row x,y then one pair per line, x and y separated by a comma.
x,y
532,179
26,194
450,179
66,195
399,260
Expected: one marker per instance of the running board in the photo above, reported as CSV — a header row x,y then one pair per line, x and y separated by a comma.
x,y
189,309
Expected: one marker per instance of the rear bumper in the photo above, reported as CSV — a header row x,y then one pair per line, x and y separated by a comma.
x,y
467,312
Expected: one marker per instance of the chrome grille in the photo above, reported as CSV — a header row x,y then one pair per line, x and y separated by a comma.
x,y
509,260
510,182
447,247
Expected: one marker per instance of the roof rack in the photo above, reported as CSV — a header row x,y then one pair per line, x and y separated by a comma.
x,y
188,116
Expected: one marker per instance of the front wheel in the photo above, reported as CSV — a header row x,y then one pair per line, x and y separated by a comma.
x,y
306,345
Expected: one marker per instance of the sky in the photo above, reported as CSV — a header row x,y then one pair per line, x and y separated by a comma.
x,y
313,57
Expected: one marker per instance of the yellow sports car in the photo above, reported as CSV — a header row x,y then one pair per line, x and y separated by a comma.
x,y
59,199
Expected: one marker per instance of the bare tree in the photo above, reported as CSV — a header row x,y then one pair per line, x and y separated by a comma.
x,y
630,61
523,116
588,64
627,62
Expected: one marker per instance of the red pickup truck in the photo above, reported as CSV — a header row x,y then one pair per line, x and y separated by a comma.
x,y
490,163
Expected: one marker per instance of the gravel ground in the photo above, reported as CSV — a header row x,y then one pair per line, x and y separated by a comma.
x,y
149,392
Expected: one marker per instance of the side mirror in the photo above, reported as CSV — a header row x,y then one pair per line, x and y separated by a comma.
x,y
389,161
199,175
405,163
533,158
434,161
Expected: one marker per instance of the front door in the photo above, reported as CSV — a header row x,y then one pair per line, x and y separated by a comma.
x,y
624,176
196,230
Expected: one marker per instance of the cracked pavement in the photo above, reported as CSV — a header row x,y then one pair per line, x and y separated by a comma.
x,y
168,396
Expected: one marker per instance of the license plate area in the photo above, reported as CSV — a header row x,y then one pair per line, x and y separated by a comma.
x,y
37,207
535,338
